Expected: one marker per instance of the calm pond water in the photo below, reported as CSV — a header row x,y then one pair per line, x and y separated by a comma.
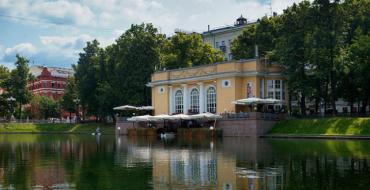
x,y
108,162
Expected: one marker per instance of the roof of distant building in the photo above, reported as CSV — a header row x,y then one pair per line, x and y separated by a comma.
x,y
241,22
36,70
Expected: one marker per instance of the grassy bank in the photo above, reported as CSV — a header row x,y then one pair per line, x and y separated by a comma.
x,y
323,126
55,128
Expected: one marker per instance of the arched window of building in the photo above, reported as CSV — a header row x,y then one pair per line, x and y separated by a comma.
x,y
211,100
179,103
194,101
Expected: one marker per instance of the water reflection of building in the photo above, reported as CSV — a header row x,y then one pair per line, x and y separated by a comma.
x,y
191,168
188,169
267,178
49,177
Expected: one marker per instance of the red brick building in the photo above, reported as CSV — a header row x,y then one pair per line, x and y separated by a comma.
x,y
50,81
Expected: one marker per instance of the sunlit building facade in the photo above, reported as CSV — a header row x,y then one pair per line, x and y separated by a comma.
x,y
221,37
213,88
50,81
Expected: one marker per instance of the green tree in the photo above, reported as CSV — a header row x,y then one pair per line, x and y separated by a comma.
x,y
357,23
4,79
292,49
87,77
118,74
136,54
262,34
359,53
328,39
49,108
70,95
186,50
107,86
243,47
4,76
17,84
35,107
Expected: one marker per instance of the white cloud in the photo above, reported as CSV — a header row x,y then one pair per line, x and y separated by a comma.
x,y
24,49
118,32
65,42
115,13
148,11
279,5
65,11
58,12
2,51
64,50
106,19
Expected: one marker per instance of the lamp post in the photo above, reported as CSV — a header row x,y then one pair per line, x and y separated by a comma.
x,y
77,102
11,100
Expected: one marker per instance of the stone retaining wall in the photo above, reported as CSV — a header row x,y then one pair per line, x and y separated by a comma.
x,y
245,127
241,127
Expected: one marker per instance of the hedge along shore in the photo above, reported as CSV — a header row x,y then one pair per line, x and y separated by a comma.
x,y
336,127
11,128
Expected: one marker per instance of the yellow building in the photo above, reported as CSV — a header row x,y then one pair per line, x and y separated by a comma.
x,y
213,88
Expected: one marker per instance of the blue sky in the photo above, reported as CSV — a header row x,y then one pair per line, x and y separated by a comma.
x,y
53,32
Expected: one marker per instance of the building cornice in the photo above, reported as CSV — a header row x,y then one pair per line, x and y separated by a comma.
x,y
207,65
214,76
226,29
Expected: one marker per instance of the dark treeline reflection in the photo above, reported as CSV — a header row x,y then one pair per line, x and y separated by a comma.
x,y
109,162
65,162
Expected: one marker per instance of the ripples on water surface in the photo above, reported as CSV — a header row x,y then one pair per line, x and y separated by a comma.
x,y
85,162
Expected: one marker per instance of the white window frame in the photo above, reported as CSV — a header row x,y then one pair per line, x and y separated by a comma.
x,y
211,99
272,89
194,100
179,101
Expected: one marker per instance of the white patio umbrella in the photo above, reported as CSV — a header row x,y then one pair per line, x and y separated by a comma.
x,y
146,108
248,101
205,116
162,117
272,101
179,117
159,117
126,107
140,118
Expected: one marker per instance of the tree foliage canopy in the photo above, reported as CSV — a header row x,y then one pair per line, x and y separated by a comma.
x,y
318,45
186,50
118,74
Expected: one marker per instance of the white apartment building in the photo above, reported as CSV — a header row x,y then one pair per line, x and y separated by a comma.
x,y
221,37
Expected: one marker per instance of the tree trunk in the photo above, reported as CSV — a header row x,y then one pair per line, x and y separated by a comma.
x,y
333,91
364,105
326,97
317,102
20,110
358,107
83,112
114,117
290,103
303,104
